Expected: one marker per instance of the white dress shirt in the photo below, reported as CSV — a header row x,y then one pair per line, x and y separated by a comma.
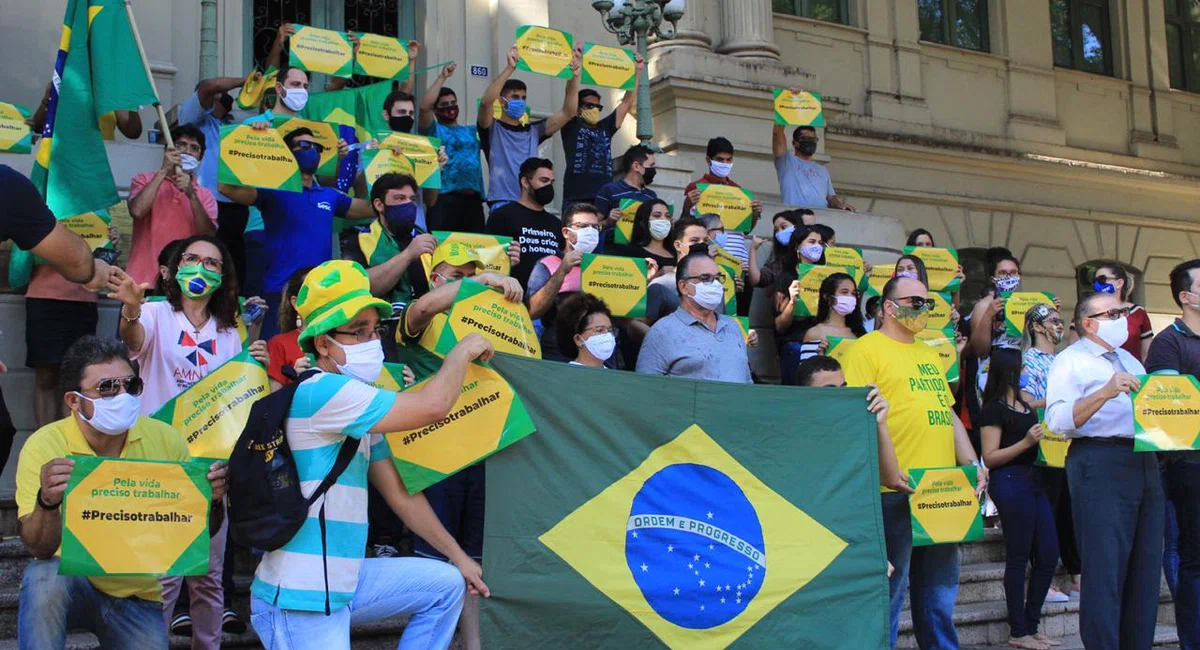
x,y
1079,371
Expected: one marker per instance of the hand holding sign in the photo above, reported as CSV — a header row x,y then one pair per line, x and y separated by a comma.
x,y
795,107
55,474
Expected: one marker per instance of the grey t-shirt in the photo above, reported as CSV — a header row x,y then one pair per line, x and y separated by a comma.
x,y
507,148
681,346
803,183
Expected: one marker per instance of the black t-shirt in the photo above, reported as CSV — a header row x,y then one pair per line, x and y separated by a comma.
x,y
589,157
1013,427
633,250
538,232
24,217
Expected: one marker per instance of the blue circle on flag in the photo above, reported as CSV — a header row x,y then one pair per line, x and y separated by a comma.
x,y
197,285
694,545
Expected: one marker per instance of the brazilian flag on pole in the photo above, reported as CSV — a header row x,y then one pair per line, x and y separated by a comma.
x,y
98,70
670,513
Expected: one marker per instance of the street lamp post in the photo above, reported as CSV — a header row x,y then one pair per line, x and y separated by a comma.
x,y
636,21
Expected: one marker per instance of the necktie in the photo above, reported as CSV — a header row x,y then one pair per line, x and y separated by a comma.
x,y
1115,361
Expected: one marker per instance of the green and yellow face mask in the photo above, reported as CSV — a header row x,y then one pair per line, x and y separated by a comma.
x,y
197,282
914,319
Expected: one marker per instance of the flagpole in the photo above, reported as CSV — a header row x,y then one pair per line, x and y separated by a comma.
x,y
162,116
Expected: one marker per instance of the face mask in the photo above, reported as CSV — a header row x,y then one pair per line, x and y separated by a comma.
x,y
1193,305
812,251
592,117
660,228
586,239
1054,334
699,247
807,147
364,361
709,295
307,159
515,108
784,236
908,274
601,346
845,304
401,218
296,98
544,195
447,114
648,174
722,239
402,124
913,320
1007,284
869,325
1103,287
188,162
1024,381
114,415
1113,332
197,282
720,169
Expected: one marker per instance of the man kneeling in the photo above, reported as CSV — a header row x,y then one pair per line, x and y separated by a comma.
x,y
309,592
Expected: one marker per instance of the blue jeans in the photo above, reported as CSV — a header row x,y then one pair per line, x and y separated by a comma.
x,y
52,604
1170,542
928,573
428,590
1183,485
1029,538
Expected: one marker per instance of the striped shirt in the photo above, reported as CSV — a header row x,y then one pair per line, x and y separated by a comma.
x,y
327,409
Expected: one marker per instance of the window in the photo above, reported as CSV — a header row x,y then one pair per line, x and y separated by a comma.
x,y
961,23
834,11
1183,43
1081,35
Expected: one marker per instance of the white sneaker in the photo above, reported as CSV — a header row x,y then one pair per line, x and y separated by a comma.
x,y
1056,596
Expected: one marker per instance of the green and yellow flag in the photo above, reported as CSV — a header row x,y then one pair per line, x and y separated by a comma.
x,y
361,108
656,522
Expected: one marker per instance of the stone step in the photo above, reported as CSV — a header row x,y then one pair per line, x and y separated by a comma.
x,y
990,550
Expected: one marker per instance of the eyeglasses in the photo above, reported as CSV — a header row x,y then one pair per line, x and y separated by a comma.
x,y
703,278
189,148
444,107
584,226
1104,279
599,329
587,105
111,386
210,263
301,145
1112,314
365,334
1008,274
917,302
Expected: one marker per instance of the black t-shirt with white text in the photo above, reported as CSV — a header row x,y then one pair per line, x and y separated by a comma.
x,y
538,232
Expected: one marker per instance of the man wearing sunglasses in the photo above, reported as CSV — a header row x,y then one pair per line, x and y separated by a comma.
x,y
925,433
1116,493
101,391
587,143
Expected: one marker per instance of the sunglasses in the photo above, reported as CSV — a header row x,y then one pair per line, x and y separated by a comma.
x,y
587,105
111,386
917,302
301,145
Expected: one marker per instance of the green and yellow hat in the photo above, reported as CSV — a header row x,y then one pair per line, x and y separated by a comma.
x,y
333,294
455,254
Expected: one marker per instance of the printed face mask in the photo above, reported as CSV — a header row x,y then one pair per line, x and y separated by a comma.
x,y
197,282
295,98
1103,287
447,113
811,252
913,319
1010,283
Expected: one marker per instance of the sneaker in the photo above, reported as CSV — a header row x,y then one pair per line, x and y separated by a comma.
x,y
386,550
182,625
231,623
1056,596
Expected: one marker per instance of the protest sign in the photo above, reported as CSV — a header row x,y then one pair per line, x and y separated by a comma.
x,y
212,413
943,342
852,259
727,259
608,67
798,109
542,50
391,379
944,508
491,249
744,325
321,50
1052,450
92,227
1166,413
383,57
255,87
324,133
941,264
729,277
730,203
135,517
257,159
940,317
838,347
1017,304
15,136
421,152
618,281
377,162
810,277
480,310
629,208
877,279
487,417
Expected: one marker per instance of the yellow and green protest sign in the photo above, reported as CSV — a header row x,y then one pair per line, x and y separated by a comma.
x,y
851,258
212,413
943,342
941,264
940,317
487,417
744,324
421,152
944,507
542,50
480,310
1052,450
727,259
618,281
491,249
729,275
729,202
257,159
15,136
1166,413
92,227
383,57
255,87
810,277
798,109
878,277
1017,304
135,518
321,50
324,133
609,67
392,378
377,162
838,347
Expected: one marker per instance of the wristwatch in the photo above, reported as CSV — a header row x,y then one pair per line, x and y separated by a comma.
x,y
44,505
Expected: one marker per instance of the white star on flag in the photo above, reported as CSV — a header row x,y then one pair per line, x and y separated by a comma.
x,y
644,567
676,591
701,583
696,557
690,565
635,534
702,608
722,600
707,565
710,515
670,548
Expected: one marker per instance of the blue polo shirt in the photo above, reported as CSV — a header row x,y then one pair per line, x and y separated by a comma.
x,y
299,230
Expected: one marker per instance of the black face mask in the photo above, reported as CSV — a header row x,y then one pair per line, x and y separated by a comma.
x,y
648,174
401,124
807,147
698,247
543,195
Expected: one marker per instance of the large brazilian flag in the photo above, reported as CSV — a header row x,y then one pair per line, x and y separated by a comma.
x,y
683,514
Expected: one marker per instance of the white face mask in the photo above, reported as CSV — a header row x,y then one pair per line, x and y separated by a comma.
x,y
1113,332
720,169
188,162
114,415
296,98
601,346
364,361
709,295
660,228
586,239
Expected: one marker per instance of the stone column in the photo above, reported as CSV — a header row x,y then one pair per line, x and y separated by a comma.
x,y
748,29
695,29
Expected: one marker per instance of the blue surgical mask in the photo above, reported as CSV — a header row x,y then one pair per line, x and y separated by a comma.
x,y
401,218
721,239
1103,287
515,108
784,236
308,159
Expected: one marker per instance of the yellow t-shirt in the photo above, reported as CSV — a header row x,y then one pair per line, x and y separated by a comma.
x,y
909,375
147,440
